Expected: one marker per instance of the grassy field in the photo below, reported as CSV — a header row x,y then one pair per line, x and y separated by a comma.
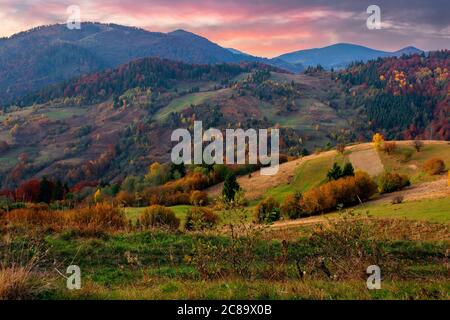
x,y
309,174
163,265
406,160
433,210
179,104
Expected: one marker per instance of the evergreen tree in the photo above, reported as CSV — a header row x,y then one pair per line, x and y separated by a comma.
x,y
45,191
335,172
58,191
348,170
177,170
230,187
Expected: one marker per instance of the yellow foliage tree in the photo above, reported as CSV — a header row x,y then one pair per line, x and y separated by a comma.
x,y
153,170
378,141
97,195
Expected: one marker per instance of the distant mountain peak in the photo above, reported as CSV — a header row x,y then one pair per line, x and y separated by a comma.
x,y
339,55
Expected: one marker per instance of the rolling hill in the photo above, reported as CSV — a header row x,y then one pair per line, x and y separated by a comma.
x,y
114,123
340,55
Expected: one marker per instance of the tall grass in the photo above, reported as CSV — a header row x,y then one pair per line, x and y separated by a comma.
x,y
95,219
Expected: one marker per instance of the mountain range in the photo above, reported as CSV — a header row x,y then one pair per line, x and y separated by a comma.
x,y
50,54
340,55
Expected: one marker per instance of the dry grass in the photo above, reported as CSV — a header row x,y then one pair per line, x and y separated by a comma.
x,y
16,283
90,220
18,280
384,229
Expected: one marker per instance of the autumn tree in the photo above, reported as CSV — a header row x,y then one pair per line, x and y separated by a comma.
x,y
378,141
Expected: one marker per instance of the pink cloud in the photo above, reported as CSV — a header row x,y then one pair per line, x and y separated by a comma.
x,y
260,27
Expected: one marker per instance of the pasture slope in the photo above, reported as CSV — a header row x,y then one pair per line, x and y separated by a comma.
x,y
309,171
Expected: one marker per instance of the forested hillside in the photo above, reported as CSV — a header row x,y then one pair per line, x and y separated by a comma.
x,y
405,97
112,124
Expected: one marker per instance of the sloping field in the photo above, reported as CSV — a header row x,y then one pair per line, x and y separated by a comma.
x,y
366,159
257,185
310,171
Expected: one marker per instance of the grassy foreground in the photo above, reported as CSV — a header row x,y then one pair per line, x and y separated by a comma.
x,y
253,262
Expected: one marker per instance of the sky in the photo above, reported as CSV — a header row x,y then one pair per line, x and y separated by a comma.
x,y
259,27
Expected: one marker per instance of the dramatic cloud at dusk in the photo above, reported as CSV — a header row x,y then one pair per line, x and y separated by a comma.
x,y
259,27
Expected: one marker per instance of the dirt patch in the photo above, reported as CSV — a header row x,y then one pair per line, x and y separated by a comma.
x,y
367,160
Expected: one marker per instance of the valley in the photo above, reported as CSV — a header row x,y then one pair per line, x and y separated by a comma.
x,y
86,177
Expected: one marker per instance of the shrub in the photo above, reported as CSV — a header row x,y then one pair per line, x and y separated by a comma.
x,y
418,145
434,166
125,198
167,195
199,198
345,191
344,248
291,207
390,182
397,200
267,211
200,218
389,147
159,216
98,218
340,148
30,218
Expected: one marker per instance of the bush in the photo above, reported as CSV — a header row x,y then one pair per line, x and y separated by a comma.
x,y
199,198
159,216
93,220
98,218
267,211
340,148
397,200
345,191
291,207
200,218
418,145
434,166
125,198
390,182
167,195
389,147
